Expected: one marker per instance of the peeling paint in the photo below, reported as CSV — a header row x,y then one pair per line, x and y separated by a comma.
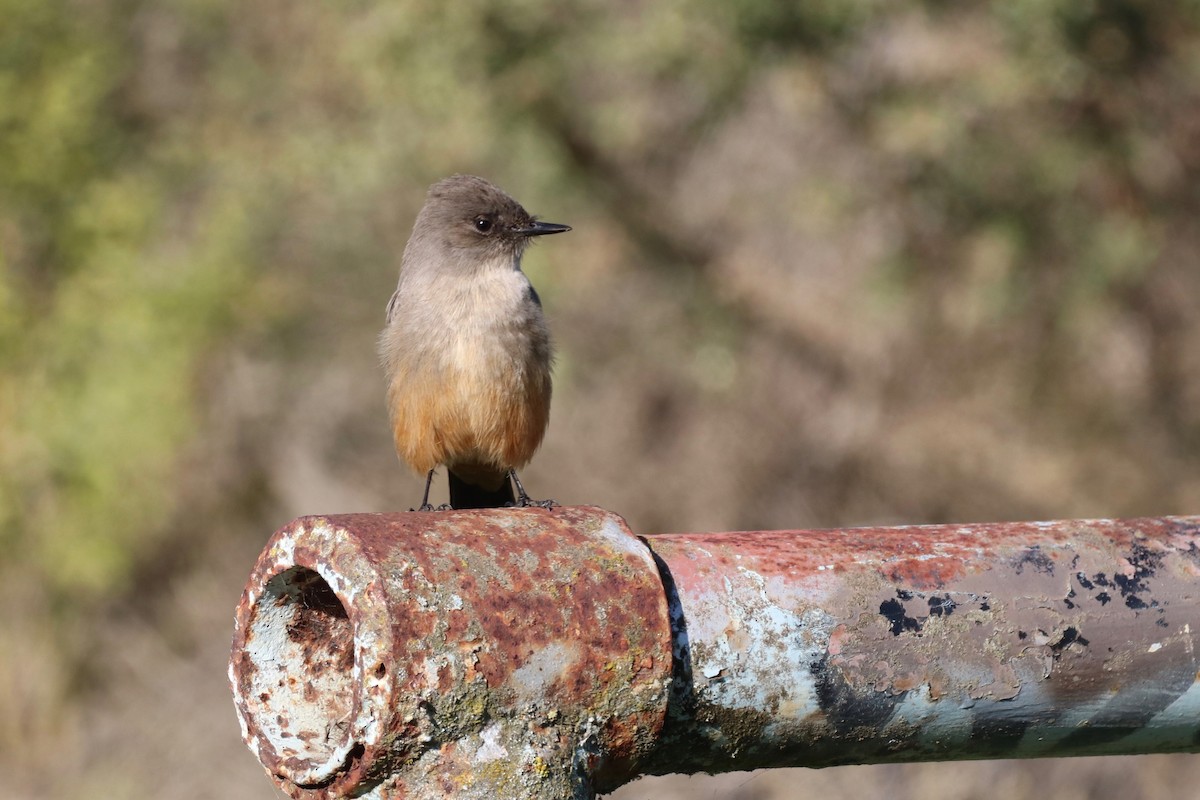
x,y
530,653
932,642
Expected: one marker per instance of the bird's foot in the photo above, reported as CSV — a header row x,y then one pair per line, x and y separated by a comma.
x,y
432,507
523,499
425,504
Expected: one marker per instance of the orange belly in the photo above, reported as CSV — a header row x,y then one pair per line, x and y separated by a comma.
x,y
480,417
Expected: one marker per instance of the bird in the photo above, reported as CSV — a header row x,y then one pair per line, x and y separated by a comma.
x,y
466,350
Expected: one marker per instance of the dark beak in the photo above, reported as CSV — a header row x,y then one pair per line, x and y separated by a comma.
x,y
539,228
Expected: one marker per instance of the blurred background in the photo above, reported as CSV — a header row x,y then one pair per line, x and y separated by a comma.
x,y
834,263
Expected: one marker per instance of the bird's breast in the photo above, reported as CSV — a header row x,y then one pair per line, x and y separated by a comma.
x,y
469,372
490,325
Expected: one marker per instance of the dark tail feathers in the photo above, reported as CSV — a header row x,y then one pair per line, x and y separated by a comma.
x,y
469,495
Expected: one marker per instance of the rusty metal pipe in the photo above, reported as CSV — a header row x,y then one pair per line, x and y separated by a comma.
x,y
929,643
517,653
551,654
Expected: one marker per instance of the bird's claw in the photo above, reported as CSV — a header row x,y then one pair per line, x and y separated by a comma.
x,y
432,507
528,502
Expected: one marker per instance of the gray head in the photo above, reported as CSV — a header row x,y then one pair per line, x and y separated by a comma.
x,y
468,215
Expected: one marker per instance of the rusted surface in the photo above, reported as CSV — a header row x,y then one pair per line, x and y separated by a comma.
x,y
524,653
937,642
509,653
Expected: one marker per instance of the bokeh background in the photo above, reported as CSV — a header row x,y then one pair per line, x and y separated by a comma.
x,y
834,263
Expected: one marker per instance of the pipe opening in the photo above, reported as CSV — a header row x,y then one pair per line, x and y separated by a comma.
x,y
302,690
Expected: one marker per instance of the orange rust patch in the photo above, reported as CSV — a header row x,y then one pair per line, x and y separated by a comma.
x,y
926,573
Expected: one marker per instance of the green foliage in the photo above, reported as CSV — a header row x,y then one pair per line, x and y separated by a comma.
x,y
106,315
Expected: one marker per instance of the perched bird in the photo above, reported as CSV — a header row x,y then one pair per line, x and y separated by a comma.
x,y
466,349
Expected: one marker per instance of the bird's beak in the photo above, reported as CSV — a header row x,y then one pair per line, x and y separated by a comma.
x,y
539,228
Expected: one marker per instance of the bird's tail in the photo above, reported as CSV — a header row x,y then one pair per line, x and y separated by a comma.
x,y
471,495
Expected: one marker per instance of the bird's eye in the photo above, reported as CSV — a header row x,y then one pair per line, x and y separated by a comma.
x,y
483,224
